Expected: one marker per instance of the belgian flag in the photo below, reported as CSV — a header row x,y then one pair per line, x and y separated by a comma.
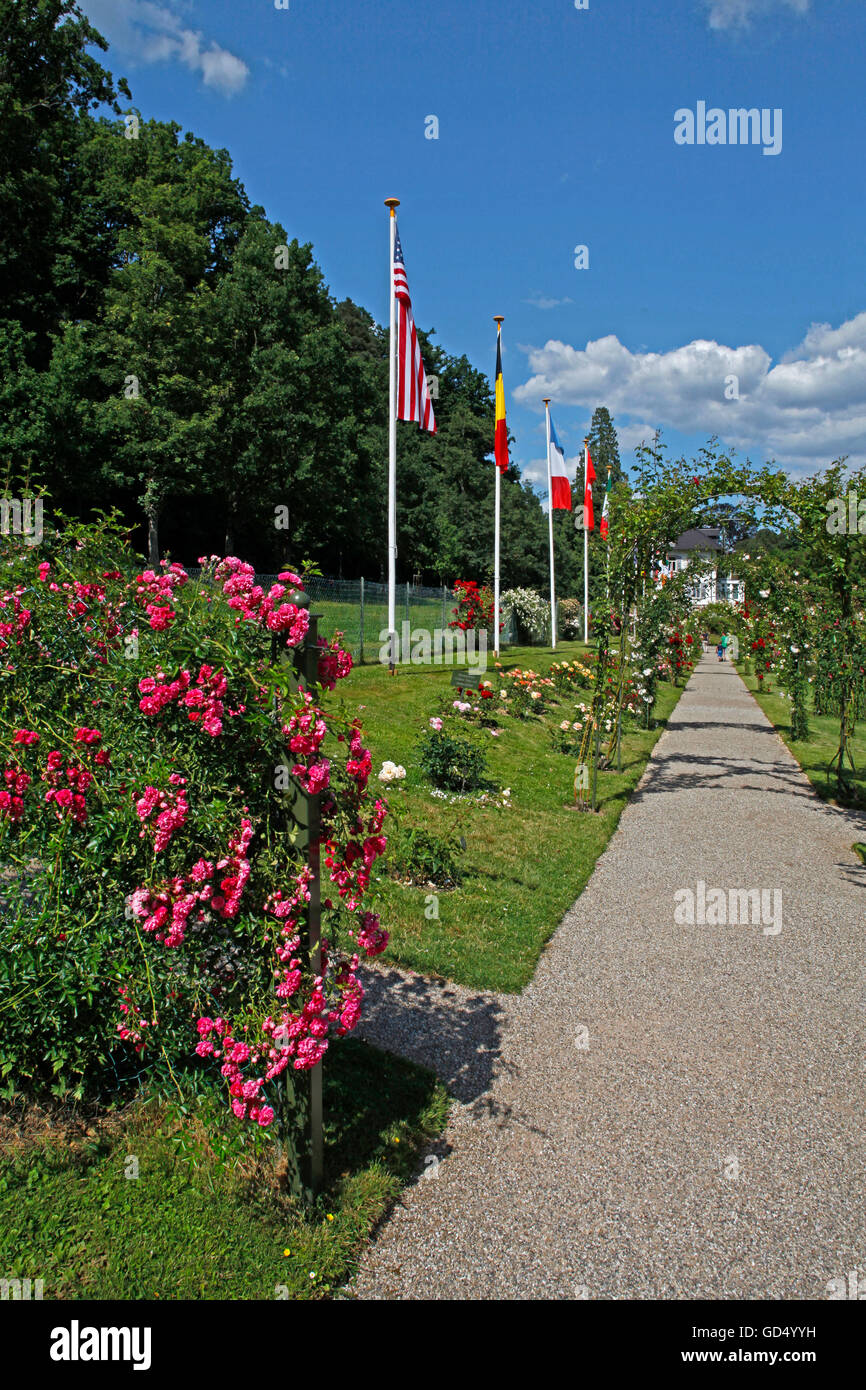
x,y
501,439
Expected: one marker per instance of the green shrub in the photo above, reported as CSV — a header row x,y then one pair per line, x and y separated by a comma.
x,y
453,761
422,857
530,611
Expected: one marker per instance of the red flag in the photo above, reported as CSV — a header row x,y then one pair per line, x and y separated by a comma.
x,y
588,514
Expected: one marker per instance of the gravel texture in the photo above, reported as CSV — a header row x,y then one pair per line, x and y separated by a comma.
x,y
667,1111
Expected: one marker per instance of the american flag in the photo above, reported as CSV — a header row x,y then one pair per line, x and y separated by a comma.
x,y
413,398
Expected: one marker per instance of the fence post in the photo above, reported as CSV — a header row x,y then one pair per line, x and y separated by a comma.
x,y
361,641
408,619
304,1136
595,760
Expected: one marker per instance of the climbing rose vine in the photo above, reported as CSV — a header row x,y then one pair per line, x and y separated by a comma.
x,y
155,732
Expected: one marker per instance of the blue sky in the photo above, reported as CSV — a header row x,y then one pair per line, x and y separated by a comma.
x,y
556,130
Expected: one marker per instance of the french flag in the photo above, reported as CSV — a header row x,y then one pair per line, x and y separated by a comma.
x,y
560,487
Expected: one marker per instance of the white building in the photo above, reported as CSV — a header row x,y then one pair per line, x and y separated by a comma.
x,y
702,543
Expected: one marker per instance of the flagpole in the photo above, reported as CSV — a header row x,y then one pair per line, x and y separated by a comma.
x,y
498,319
550,528
392,204
585,545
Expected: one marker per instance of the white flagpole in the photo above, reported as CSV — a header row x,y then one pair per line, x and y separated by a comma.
x,y
585,546
550,528
496,565
392,204
498,320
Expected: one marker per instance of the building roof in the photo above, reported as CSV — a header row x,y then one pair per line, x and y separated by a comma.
x,y
699,538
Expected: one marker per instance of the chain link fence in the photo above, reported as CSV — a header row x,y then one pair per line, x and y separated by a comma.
x,y
359,609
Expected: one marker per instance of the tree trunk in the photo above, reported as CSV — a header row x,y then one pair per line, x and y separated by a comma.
x,y
153,539
229,541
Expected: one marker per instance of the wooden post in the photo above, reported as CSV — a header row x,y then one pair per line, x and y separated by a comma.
x,y
595,759
303,1130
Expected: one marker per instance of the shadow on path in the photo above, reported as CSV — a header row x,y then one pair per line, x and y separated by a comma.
x,y
709,771
453,1031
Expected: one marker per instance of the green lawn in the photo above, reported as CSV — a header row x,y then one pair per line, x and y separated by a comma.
x,y
194,1226
524,866
346,617
815,753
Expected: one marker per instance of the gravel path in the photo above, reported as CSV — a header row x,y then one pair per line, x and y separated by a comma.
x,y
668,1111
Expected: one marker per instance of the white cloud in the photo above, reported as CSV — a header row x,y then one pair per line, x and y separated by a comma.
x,y
535,472
629,436
540,301
738,14
153,33
806,410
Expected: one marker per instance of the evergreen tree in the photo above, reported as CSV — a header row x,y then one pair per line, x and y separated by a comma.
x,y
604,449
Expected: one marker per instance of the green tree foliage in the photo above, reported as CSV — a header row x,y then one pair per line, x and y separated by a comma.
x,y
142,366
53,249
604,448
604,451
166,349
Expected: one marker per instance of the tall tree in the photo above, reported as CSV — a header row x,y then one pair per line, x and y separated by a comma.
x,y
604,448
52,251
289,397
140,370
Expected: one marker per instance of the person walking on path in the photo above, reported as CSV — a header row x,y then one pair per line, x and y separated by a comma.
x,y
723,646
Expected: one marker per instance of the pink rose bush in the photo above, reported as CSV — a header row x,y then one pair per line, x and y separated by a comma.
x,y
158,905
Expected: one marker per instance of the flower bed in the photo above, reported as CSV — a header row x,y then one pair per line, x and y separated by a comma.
x,y
523,693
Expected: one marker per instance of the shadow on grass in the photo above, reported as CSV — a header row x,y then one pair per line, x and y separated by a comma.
x,y
436,1025
368,1100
